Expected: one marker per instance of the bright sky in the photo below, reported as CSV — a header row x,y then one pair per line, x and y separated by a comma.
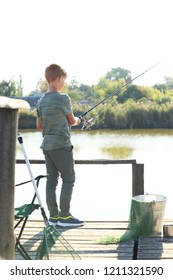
x,y
86,37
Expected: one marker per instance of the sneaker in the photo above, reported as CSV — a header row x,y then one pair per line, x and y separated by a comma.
x,y
53,220
69,221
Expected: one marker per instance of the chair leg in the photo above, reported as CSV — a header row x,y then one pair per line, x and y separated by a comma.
x,y
23,226
22,250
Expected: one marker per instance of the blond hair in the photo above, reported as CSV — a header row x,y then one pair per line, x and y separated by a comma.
x,y
53,71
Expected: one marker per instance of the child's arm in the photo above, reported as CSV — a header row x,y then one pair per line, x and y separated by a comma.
x,y
72,120
38,123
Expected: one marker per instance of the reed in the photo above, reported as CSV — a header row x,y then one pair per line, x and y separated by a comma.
x,y
127,115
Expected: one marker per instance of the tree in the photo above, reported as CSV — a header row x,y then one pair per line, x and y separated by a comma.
x,y
139,92
11,88
78,91
118,73
106,87
169,82
19,86
8,88
162,87
73,85
41,86
132,92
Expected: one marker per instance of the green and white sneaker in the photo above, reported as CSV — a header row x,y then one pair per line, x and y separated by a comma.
x,y
69,221
53,220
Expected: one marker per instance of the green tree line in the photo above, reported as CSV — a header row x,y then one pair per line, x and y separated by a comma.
x,y
132,107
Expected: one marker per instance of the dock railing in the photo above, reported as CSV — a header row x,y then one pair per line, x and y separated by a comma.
x,y
137,170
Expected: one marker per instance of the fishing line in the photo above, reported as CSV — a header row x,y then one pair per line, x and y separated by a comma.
x,y
113,100
88,123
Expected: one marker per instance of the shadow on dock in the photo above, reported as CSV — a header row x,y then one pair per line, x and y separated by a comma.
x,y
81,243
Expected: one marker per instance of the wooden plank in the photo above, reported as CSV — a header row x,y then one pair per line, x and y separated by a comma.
x,y
156,248
137,179
85,161
84,240
89,224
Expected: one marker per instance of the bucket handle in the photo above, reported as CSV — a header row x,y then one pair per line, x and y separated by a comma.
x,y
152,203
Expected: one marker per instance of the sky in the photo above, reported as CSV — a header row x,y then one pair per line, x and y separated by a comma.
x,y
87,38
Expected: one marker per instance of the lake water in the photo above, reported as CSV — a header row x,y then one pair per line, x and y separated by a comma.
x,y
103,192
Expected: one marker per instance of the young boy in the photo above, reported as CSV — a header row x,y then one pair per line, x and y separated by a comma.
x,y
54,117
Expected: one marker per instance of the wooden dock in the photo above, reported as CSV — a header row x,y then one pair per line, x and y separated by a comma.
x,y
85,242
155,248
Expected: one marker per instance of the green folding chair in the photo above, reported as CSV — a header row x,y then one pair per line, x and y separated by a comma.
x,y
22,214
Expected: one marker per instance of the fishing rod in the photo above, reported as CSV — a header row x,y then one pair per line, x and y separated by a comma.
x,y
88,123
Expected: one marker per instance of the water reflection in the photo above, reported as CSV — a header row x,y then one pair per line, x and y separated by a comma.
x,y
117,152
120,144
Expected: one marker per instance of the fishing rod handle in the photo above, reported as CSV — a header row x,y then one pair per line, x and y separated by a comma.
x,y
82,115
20,139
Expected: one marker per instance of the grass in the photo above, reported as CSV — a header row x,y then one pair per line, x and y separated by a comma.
x,y
128,236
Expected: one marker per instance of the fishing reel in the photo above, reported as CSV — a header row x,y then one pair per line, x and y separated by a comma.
x,y
87,123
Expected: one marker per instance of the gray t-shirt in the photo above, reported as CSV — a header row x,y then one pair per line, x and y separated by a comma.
x,y
53,108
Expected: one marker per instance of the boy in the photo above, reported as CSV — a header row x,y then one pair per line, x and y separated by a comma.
x,y
54,117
